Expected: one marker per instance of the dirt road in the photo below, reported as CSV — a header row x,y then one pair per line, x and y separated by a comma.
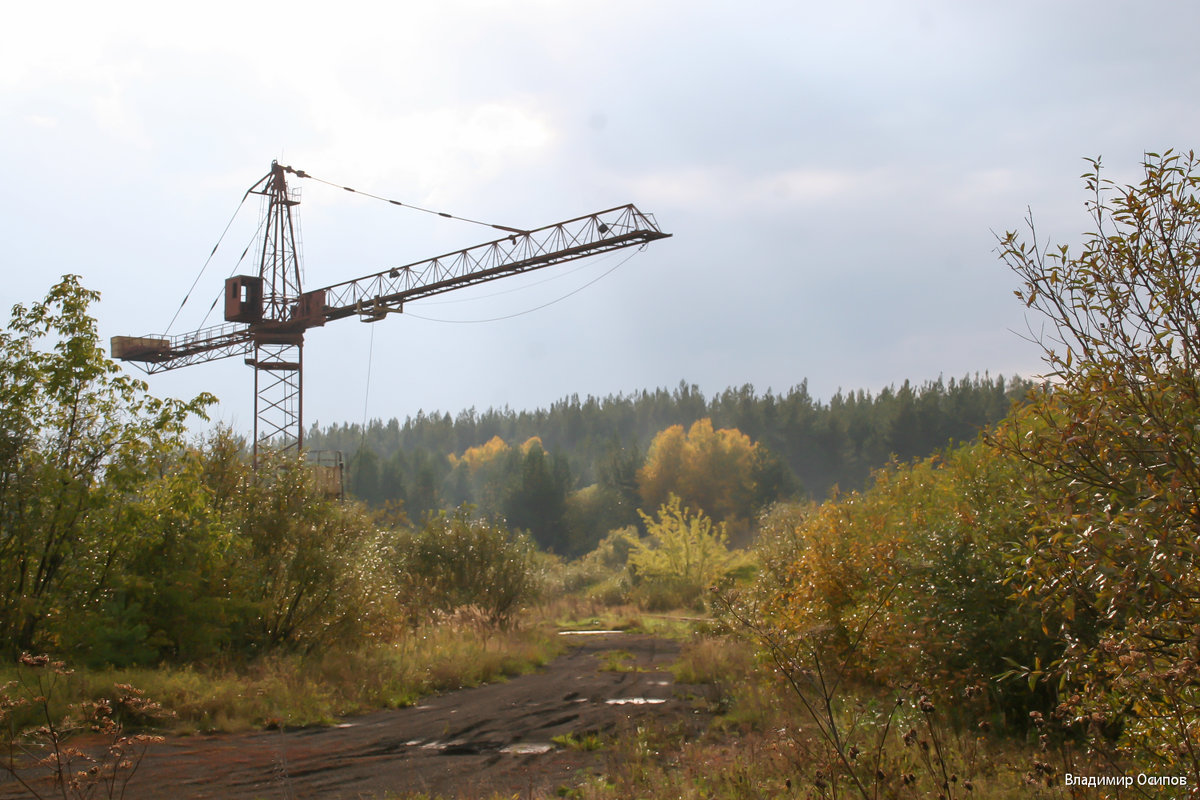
x,y
463,744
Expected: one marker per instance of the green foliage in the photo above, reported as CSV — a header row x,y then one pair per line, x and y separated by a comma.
x,y
311,567
602,574
457,560
606,561
524,485
169,593
214,559
120,544
75,438
535,498
1114,561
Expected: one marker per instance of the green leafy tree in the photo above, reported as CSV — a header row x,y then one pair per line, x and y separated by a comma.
x,y
75,437
167,595
312,566
422,495
480,475
458,560
610,503
364,476
1116,558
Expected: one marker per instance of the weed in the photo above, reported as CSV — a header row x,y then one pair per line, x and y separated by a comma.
x,y
586,741
618,661
40,755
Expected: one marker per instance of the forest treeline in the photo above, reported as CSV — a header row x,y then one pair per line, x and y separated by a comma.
x,y
804,448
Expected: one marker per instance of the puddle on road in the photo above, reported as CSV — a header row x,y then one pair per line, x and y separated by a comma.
x,y
587,633
528,748
435,745
463,747
635,701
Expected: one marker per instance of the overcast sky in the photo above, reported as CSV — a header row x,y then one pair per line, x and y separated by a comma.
x,y
833,178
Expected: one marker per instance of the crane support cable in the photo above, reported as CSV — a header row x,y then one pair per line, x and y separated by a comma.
x,y
208,260
221,294
526,287
302,174
592,234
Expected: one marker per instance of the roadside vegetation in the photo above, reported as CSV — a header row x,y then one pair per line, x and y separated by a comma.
x,y
1011,614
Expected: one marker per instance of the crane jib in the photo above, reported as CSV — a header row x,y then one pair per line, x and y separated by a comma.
x,y
384,291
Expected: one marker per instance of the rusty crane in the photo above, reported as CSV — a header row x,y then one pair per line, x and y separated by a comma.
x,y
267,315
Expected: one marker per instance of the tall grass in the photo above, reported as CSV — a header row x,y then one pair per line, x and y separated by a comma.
x,y
317,689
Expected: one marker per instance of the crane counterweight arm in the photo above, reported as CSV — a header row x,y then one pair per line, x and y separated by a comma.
x,y
161,353
373,296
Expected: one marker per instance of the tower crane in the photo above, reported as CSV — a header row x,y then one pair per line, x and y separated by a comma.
x,y
267,315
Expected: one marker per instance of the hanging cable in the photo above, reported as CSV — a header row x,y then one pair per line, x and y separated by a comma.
x,y
221,294
302,174
362,440
593,261
367,391
220,239
607,272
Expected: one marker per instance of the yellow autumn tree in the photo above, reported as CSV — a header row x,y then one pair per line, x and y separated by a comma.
x,y
476,477
478,456
684,553
709,469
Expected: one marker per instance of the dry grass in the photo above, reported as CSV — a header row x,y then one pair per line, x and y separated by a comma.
x,y
293,691
762,745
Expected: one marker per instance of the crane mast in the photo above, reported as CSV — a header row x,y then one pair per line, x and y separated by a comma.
x,y
266,315
278,356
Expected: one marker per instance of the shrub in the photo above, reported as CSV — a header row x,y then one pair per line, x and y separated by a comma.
x,y
922,556
684,554
1114,560
456,560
